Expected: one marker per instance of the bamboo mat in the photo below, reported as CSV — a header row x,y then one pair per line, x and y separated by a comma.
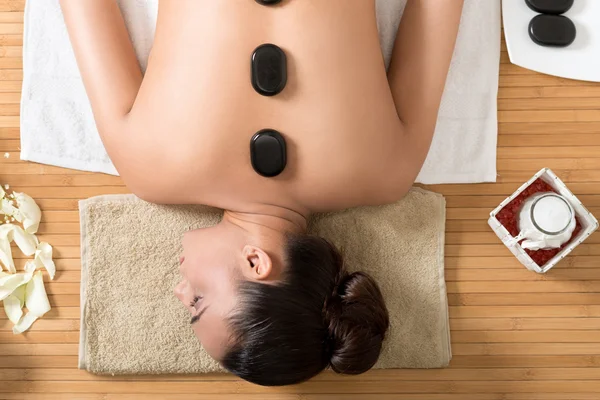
x,y
515,335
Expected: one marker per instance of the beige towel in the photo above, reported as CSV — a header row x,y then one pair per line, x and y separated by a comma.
x,y
131,323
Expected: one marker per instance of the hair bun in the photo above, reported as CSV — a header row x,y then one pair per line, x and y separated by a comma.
x,y
357,320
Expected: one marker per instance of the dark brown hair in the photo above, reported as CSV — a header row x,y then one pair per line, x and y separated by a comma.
x,y
318,316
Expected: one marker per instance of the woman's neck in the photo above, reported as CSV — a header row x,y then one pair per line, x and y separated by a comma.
x,y
268,218
267,230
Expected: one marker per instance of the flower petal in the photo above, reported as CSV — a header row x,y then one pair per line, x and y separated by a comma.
x,y
43,258
25,241
19,293
29,211
36,299
9,283
6,231
6,255
25,323
6,207
13,309
30,267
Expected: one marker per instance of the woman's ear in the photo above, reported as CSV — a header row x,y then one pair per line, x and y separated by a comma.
x,y
258,263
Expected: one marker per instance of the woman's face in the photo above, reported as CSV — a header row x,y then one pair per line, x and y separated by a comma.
x,y
209,270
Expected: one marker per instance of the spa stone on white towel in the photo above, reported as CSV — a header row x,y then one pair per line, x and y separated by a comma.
x,y
57,125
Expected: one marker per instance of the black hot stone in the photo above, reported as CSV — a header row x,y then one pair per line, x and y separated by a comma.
x,y
552,30
268,2
550,6
268,153
269,70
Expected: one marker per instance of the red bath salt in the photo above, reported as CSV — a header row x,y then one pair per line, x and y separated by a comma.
x,y
509,218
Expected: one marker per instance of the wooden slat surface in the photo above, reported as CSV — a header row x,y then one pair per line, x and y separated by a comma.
x,y
515,335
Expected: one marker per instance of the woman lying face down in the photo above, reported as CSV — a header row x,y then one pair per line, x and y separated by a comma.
x,y
271,303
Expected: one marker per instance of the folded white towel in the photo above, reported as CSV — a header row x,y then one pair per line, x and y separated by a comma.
x,y
57,126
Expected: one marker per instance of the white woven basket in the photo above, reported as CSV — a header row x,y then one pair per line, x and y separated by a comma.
x,y
588,222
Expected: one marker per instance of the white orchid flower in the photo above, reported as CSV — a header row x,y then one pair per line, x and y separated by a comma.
x,y
24,240
5,250
24,288
27,242
36,301
7,206
13,304
43,258
29,212
10,282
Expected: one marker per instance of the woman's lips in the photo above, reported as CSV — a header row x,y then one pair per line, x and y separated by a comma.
x,y
181,260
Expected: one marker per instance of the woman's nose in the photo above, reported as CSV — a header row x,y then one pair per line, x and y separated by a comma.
x,y
180,290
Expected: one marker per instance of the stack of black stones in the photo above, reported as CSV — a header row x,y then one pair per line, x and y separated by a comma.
x,y
269,77
550,27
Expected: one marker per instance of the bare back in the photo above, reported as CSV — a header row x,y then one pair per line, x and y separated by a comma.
x,y
181,133
197,111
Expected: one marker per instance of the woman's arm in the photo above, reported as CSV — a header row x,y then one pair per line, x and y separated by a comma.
x,y
107,61
419,67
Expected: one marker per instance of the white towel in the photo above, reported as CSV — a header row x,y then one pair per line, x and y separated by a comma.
x,y
57,126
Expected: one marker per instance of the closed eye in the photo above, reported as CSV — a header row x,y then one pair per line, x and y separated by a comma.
x,y
195,301
195,318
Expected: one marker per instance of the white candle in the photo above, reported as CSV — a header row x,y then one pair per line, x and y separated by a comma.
x,y
552,214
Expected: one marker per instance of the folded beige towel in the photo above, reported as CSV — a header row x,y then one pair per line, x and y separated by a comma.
x,y
131,323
